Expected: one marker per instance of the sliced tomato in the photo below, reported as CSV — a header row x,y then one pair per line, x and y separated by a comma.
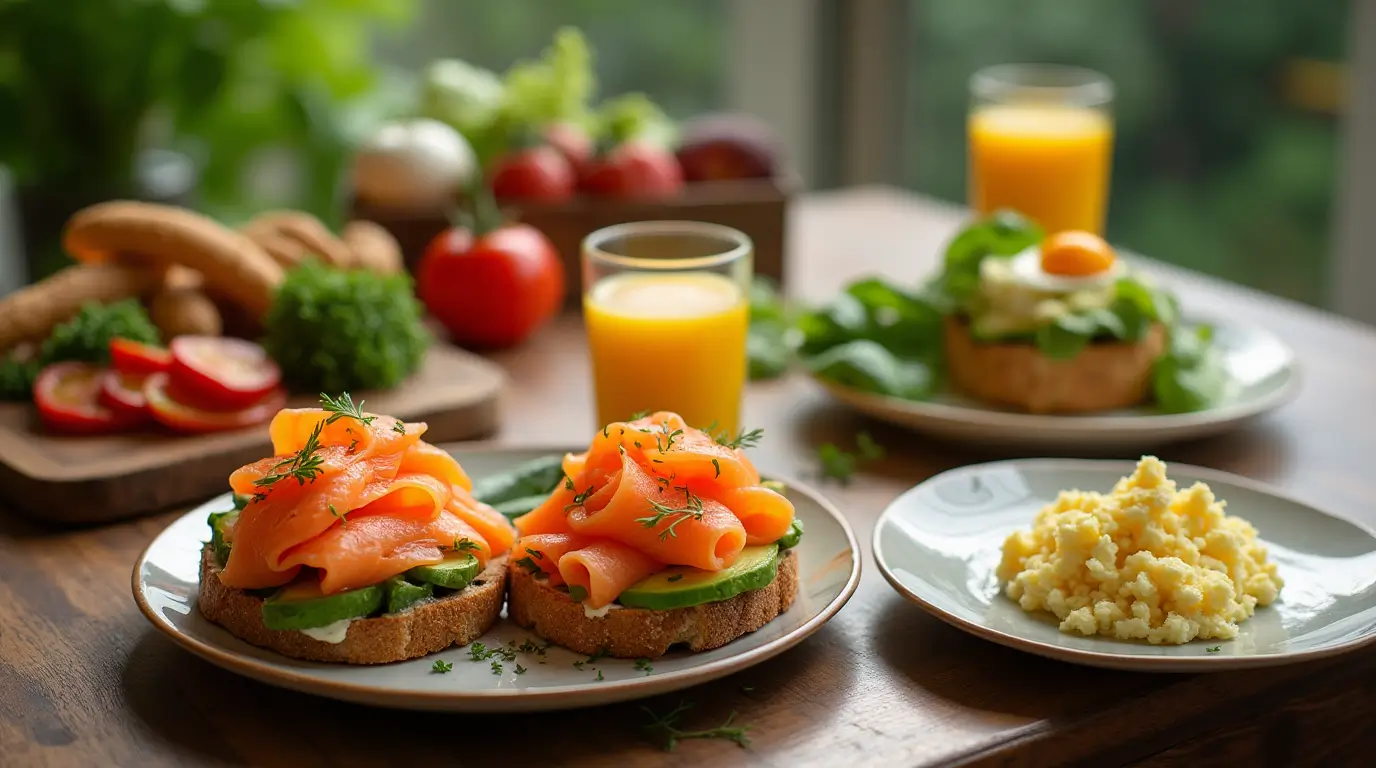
x,y
68,400
138,359
184,417
221,373
123,394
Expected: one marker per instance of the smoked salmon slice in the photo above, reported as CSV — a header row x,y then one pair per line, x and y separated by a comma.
x,y
604,569
665,521
543,550
358,497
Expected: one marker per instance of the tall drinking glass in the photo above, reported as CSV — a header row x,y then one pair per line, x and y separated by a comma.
x,y
1040,142
667,308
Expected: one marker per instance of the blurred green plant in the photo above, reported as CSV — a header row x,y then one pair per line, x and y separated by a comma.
x,y
85,84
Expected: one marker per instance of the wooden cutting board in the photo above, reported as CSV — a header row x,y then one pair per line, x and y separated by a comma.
x,y
89,479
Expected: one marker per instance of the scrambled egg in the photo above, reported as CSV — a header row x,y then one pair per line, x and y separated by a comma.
x,y
1145,562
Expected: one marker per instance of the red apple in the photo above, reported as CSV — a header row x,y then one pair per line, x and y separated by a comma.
x,y
727,146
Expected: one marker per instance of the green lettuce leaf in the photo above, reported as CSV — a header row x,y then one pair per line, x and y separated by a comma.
x,y
1190,376
867,366
1003,233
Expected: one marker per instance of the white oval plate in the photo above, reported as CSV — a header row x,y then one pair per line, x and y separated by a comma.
x,y
166,578
939,545
1263,371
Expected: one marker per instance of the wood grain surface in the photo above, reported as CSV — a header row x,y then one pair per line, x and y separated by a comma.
x,y
85,681
85,479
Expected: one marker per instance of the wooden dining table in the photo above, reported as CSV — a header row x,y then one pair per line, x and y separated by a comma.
x,y
85,680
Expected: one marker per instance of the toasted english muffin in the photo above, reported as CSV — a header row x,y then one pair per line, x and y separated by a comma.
x,y
1102,377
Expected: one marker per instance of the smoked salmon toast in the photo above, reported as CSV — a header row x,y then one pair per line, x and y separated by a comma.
x,y
660,534
356,542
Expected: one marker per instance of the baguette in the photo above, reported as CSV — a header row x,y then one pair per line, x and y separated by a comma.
x,y
428,627
30,314
632,633
1102,377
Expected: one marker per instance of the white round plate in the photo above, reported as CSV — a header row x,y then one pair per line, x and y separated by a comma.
x,y
166,577
1262,368
939,545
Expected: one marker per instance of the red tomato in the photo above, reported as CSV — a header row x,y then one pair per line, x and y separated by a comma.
x,y
67,396
492,291
221,373
634,170
573,143
537,173
123,393
188,418
138,359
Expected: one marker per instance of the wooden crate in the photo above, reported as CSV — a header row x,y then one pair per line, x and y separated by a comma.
x,y
757,207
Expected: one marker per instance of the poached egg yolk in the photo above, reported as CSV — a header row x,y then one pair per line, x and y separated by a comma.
x,y
1076,254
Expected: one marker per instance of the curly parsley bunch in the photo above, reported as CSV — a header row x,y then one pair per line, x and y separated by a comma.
x,y
332,330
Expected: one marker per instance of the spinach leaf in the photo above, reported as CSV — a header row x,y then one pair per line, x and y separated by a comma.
x,y
767,343
1190,376
840,320
1003,233
866,365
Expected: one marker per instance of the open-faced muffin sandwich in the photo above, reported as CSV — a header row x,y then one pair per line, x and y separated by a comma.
x,y
660,535
1045,325
354,542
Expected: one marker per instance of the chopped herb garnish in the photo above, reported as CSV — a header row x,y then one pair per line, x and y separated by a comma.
x,y
479,652
601,653
399,427
638,415
464,545
343,518
692,509
531,566
637,444
535,553
644,666
657,461
520,670
669,724
353,445
496,667
442,666
600,678
746,438
580,498
578,665
716,466
529,647
676,577
604,431
303,466
1214,649
577,594
568,482
666,440
839,465
343,407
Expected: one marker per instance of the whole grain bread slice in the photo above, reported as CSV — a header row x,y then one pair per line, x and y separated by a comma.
x,y
455,619
631,633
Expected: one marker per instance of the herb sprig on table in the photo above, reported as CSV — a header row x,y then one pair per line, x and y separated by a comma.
x,y
668,724
840,465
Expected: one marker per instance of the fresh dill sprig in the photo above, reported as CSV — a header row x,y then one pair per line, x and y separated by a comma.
x,y
399,427
464,545
839,465
579,498
343,407
717,466
302,466
669,724
746,438
692,509
638,415
665,440
343,518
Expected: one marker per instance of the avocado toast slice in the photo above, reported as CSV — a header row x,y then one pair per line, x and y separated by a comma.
x,y
631,633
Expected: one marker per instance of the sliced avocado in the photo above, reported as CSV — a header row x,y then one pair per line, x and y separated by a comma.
x,y
514,508
402,594
537,476
301,605
681,586
454,572
790,539
240,501
219,523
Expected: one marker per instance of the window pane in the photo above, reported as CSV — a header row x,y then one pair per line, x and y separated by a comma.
x,y
1226,147
671,51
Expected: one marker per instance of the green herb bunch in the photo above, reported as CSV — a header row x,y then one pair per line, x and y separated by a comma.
x,y
332,329
86,337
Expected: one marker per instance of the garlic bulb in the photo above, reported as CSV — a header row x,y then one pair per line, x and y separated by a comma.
x,y
418,163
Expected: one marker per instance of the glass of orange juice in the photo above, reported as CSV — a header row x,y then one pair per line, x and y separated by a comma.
x,y
667,309
1040,142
